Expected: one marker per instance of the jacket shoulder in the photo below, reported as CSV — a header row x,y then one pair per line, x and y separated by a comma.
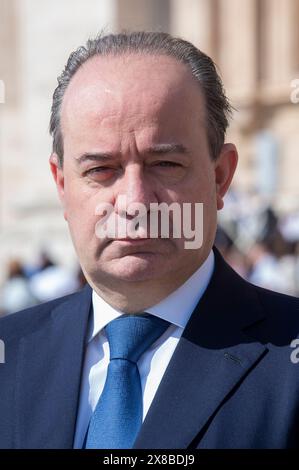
x,y
276,298
29,319
282,312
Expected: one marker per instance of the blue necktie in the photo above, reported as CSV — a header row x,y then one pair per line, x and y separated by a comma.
x,y
117,417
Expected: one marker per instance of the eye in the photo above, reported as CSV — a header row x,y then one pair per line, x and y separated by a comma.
x,y
100,173
98,169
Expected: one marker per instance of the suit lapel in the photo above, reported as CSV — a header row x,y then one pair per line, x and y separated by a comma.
x,y
213,356
51,359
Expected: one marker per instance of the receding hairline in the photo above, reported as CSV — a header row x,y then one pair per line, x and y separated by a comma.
x,y
201,66
96,61
127,55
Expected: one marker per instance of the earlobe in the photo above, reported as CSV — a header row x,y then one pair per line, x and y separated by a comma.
x,y
220,203
225,167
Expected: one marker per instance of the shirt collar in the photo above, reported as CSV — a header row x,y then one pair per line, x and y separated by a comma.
x,y
176,308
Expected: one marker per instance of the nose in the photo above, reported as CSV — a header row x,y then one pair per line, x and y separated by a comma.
x,y
134,188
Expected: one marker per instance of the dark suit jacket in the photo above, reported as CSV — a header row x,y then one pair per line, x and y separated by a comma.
x,y
230,383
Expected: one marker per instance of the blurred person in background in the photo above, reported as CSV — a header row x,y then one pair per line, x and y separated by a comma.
x,y
41,262
262,247
165,347
15,293
51,280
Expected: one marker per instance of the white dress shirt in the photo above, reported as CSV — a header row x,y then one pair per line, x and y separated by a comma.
x,y
176,309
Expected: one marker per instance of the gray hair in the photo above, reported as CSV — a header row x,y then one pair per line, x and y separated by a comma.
x,y
155,43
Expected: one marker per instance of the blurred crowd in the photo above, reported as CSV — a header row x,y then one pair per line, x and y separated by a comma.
x,y
262,247
30,284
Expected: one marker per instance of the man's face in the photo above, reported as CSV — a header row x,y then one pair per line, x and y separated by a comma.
x,y
135,126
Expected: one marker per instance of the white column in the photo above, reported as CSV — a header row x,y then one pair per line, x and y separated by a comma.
x,y
149,15
45,33
237,56
278,41
193,20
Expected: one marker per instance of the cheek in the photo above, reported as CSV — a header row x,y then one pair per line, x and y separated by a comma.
x,y
78,197
80,214
207,191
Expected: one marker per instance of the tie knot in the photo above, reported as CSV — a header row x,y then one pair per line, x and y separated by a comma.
x,y
130,335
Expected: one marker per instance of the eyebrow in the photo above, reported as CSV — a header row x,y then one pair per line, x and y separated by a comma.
x,y
94,157
166,149
159,149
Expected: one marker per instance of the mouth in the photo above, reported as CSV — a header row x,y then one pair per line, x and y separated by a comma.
x,y
147,243
131,240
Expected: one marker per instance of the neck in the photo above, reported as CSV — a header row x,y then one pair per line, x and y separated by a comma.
x,y
137,296
134,297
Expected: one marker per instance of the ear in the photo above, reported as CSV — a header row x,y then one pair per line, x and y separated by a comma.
x,y
58,175
225,166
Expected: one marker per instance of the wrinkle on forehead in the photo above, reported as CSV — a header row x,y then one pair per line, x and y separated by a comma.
x,y
127,87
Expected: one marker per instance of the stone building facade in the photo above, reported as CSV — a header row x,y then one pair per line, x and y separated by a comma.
x,y
255,44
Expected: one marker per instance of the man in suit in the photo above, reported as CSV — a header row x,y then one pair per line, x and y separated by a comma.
x,y
143,115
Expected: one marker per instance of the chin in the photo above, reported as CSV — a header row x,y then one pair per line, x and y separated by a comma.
x,y
134,268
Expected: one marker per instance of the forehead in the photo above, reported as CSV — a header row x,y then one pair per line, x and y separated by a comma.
x,y
131,89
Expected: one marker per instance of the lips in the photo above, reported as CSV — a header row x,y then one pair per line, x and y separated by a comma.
x,y
132,239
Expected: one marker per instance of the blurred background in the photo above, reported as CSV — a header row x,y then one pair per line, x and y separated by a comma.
x,y
255,44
